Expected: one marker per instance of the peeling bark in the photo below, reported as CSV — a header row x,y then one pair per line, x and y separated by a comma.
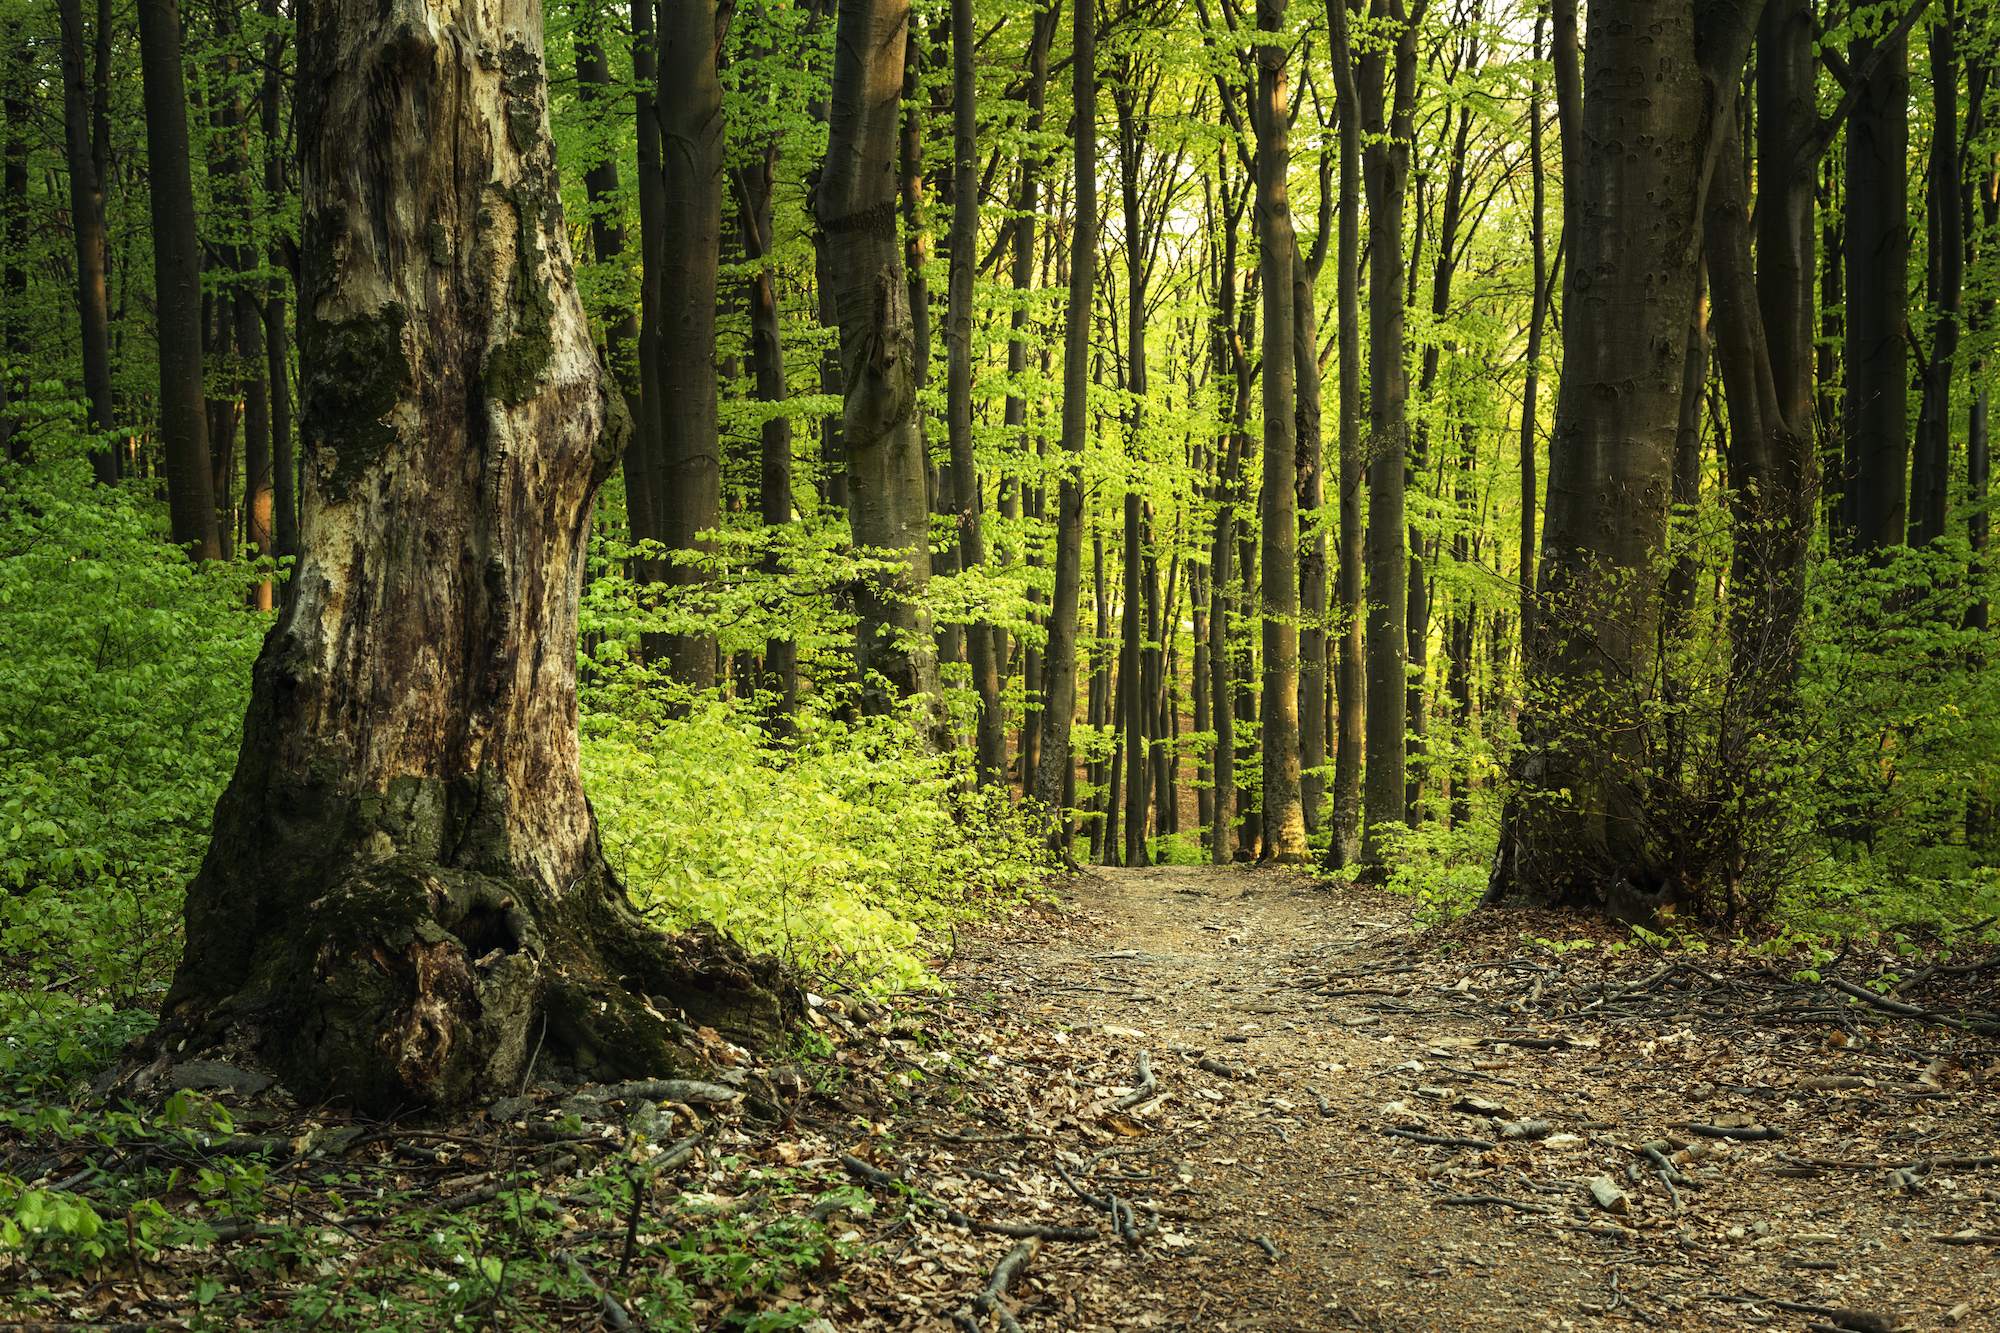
x,y
404,901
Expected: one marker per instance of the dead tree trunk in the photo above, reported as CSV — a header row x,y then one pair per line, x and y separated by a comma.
x,y
404,901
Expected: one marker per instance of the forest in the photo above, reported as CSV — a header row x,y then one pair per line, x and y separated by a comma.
x,y
1064,664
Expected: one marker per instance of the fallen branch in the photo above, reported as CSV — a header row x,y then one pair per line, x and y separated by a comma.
x,y
1495,1200
1005,1272
1438,1140
1146,1087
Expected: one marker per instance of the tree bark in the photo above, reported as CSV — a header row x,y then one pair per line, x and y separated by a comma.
x,y
404,901
1576,827
981,637
1386,110
1059,694
1538,309
1930,472
887,502
86,211
177,285
1877,257
277,340
14,81
1283,806
690,498
1344,848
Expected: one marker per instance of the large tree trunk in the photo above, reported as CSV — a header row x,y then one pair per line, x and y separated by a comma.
x,y
1877,254
1385,112
690,496
982,639
887,502
1059,693
1577,826
1311,481
404,901
1349,684
86,211
1283,807
177,284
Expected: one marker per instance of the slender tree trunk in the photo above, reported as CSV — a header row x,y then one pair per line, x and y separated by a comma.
x,y
1877,256
1344,849
1385,112
1015,419
405,901
14,80
86,211
1930,473
690,497
277,341
1283,807
1310,473
1538,310
1978,437
1059,696
982,638
177,285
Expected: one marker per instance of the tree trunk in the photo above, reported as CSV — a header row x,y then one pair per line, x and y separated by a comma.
x,y
1282,804
177,285
1015,418
1344,848
1310,472
14,81
1059,695
887,502
1877,255
1576,827
1930,473
86,211
690,498
1538,310
405,901
277,341
1385,113
982,638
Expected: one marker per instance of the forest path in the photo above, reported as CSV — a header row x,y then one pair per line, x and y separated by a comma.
x,y
1289,1026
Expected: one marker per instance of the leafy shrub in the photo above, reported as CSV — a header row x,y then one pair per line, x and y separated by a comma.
x,y
124,670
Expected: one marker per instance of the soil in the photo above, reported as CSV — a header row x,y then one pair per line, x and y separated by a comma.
x,y
1289,1026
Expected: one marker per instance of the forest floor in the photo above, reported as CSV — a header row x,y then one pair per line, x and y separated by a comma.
x,y
1832,1164
1171,1098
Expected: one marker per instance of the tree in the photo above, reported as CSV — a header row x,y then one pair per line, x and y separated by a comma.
x,y
887,504
1350,686
1284,810
1574,830
177,283
86,210
404,900
1386,109
690,253
1053,770
982,648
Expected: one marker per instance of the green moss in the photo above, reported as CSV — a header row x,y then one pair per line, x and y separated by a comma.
x,y
356,372
514,368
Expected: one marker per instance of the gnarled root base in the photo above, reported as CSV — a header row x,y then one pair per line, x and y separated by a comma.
x,y
412,984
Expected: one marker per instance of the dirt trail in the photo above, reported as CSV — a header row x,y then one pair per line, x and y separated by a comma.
x,y
1289,1026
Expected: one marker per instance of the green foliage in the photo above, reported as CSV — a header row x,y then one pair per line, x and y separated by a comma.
x,y
837,848
124,668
